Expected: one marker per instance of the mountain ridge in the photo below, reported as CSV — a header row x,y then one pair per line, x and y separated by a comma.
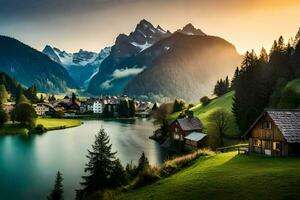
x,y
31,67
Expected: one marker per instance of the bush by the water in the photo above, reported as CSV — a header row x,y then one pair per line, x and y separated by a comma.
x,y
39,129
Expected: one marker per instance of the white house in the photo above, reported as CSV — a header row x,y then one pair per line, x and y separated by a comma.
x,y
98,106
41,108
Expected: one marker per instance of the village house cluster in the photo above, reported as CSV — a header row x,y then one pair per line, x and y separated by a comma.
x,y
93,105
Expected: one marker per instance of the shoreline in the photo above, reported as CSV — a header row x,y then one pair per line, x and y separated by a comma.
x,y
50,124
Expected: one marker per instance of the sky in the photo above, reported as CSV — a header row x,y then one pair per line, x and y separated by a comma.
x,y
94,24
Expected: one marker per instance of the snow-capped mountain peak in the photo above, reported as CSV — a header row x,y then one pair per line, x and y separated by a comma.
x,y
82,65
80,58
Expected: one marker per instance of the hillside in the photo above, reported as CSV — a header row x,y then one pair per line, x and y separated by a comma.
x,y
295,85
31,67
227,176
202,112
114,72
188,69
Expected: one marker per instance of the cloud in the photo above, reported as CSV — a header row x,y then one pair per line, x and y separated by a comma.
x,y
107,84
122,73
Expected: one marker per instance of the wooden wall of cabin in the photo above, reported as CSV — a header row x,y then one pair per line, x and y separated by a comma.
x,y
266,138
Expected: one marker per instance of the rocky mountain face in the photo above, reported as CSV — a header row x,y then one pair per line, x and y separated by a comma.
x,y
31,67
119,67
82,65
151,61
189,29
189,68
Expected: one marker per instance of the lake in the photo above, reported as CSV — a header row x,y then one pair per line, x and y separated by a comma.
x,y
28,164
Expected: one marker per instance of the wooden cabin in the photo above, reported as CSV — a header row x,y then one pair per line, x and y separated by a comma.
x,y
183,126
275,133
189,131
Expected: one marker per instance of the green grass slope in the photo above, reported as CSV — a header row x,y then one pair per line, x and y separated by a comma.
x,y
294,84
227,176
203,113
52,124
49,123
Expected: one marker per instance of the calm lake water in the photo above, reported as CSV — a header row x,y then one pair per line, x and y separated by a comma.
x,y
28,165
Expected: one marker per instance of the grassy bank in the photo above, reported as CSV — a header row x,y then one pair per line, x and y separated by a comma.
x,y
227,176
54,124
12,129
203,113
50,124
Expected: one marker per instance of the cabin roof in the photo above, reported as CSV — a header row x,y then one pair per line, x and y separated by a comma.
x,y
287,121
195,136
190,124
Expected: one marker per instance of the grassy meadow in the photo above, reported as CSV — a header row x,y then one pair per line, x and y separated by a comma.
x,y
227,176
49,123
203,112
52,124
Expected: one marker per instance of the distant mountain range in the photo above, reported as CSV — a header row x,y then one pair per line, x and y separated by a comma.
x,y
82,66
31,67
184,64
149,61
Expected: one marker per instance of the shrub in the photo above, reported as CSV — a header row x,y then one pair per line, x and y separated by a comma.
x,y
205,100
39,129
58,114
25,114
147,176
179,105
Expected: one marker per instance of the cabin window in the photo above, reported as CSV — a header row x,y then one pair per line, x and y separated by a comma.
x,y
176,136
176,129
276,146
266,125
257,142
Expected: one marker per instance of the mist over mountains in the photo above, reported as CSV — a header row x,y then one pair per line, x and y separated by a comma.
x,y
149,61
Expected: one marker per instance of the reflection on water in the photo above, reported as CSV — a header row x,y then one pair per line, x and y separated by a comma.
x,y
28,165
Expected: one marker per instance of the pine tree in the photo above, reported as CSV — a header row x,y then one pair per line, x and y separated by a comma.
x,y
23,99
100,165
264,57
131,108
297,38
235,77
73,97
227,85
3,94
119,176
143,163
222,87
31,94
124,108
57,192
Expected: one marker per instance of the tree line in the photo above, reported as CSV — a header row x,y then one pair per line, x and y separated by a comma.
x,y
260,81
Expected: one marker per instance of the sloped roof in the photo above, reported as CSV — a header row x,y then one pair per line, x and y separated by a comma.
x,y
287,121
195,136
190,124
